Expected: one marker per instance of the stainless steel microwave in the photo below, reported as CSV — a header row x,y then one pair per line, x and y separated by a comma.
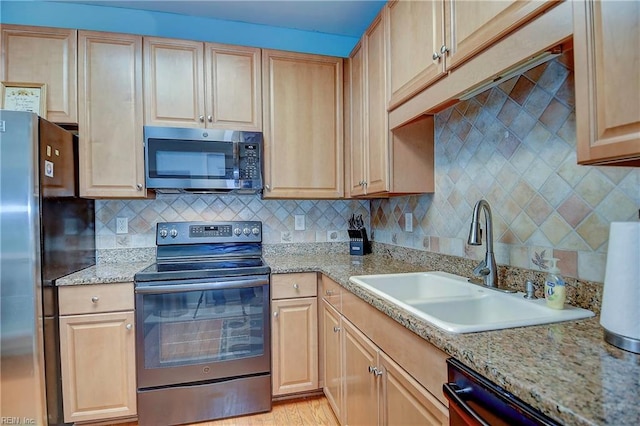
x,y
202,160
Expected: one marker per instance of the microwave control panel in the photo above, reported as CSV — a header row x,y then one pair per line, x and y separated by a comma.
x,y
249,156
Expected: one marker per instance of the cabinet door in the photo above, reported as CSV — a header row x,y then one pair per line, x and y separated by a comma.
x,y
356,129
233,87
43,55
294,345
416,34
376,128
404,401
174,82
607,79
361,385
474,25
110,124
98,366
303,129
332,337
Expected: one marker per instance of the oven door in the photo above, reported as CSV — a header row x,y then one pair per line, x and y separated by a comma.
x,y
202,330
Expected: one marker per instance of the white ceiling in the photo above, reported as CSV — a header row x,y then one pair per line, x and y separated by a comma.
x,y
341,17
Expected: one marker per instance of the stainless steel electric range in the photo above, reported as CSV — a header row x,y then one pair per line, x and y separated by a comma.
x,y
202,324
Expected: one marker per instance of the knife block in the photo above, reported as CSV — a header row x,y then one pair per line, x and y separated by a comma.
x,y
359,244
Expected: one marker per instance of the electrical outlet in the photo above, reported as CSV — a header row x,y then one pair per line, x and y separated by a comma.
x,y
408,222
122,225
299,222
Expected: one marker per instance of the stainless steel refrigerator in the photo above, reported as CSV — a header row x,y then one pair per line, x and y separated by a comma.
x,y
46,232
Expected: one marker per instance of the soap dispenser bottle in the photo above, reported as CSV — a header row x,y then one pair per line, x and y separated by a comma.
x,y
554,286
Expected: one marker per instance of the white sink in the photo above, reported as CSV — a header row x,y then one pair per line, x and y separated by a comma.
x,y
453,304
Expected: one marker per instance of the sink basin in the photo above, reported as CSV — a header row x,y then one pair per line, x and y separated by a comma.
x,y
453,304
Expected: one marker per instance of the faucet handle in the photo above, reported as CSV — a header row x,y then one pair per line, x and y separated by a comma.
x,y
481,270
531,291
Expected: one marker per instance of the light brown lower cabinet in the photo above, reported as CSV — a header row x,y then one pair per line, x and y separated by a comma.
x,y
364,384
294,328
97,352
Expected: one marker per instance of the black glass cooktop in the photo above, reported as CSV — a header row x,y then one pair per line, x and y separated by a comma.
x,y
209,268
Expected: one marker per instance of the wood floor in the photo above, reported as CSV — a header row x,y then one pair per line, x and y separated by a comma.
x,y
299,412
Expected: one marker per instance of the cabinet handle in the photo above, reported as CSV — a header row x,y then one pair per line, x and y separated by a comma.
x,y
375,371
336,329
210,118
129,326
95,299
139,187
201,118
444,49
296,286
329,292
435,56
275,314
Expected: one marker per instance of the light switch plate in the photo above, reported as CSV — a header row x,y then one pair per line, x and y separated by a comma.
x,y
408,222
122,225
299,222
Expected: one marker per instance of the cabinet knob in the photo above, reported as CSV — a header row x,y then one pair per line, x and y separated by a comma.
x,y
129,326
139,187
336,329
275,314
444,49
210,118
375,371
296,286
201,118
435,56
95,299
267,187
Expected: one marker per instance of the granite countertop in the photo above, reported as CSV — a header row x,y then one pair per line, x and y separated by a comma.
x,y
565,370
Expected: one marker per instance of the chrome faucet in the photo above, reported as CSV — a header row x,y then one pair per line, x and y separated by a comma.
x,y
486,268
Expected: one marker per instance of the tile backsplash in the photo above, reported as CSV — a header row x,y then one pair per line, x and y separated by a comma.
x,y
325,221
515,146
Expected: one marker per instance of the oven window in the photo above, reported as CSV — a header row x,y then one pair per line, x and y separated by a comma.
x,y
203,326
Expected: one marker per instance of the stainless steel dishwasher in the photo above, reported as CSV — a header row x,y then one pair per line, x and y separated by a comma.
x,y
476,401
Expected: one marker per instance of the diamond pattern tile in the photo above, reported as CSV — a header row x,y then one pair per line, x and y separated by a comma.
x,y
518,152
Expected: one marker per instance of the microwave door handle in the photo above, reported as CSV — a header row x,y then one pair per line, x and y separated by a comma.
x,y
236,161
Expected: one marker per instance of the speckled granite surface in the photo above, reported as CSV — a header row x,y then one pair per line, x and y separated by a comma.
x,y
565,370
104,273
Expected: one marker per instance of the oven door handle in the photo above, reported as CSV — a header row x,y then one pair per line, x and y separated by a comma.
x,y
211,285
455,396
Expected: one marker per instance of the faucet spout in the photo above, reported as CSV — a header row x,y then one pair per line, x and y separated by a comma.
x,y
487,268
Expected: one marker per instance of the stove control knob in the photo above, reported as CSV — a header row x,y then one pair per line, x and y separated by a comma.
x,y
173,233
246,231
237,231
255,231
164,233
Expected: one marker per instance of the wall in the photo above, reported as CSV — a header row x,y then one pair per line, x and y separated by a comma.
x,y
515,146
325,220
119,20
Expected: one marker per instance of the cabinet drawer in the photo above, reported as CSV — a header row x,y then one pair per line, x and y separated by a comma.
x,y
331,291
95,298
287,286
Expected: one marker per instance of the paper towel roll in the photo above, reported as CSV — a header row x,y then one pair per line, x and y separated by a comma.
x,y
621,296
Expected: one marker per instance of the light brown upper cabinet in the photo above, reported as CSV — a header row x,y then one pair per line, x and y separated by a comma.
x,y
303,128
382,163
43,55
110,123
474,25
427,39
195,84
416,35
607,78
